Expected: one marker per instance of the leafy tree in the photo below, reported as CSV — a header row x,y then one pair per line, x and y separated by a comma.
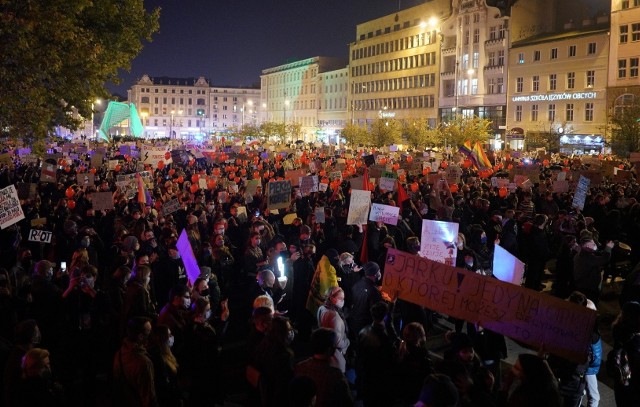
x,y
57,56
354,134
248,130
626,130
384,132
272,129
294,131
461,129
419,134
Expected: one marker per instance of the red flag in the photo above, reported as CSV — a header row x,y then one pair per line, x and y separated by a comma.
x,y
402,195
365,181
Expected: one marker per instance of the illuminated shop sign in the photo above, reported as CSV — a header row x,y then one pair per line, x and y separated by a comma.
x,y
555,96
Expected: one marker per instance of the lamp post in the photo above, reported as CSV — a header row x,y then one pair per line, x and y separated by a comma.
x,y
93,125
171,123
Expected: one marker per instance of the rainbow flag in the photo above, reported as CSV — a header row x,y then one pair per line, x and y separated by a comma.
x,y
143,194
468,151
481,156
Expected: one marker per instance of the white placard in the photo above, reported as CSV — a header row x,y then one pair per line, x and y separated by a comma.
x,y
438,241
358,207
384,213
10,209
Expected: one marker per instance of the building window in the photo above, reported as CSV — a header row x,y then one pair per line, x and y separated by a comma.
x,y
476,60
591,79
534,113
476,18
465,62
492,59
624,4
536,55
492,33
500,85
519,84
622,68
466,37
144,99
554,53
476,35
502,31
535,83
591,48
553,81
492,86
552,112
571,80
519,113
588,112
572,51
635,32
624,34
633,67
569,116
501,58
521,58
474,86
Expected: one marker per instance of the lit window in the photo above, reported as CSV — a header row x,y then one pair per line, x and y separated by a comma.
x,y
521,58
591,79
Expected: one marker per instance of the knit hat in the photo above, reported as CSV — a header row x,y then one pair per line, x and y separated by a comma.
x,y
205,272
331,254
129,243
439,391
371,269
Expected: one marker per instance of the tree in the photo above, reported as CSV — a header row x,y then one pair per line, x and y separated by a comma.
x,y
58,55
354,134
419,134
294,130
384,132
273,129
461,129
626,129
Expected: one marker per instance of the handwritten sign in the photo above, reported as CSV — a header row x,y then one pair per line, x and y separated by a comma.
x,y
387,184
10,209
171,206
580,195
40,236
520,313
86,179
48,172
153,155
102,201
384,213
189,260
507,267
309,184
438,241
453,174
358,207
279,194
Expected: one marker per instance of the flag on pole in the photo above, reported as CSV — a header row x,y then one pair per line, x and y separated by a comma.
x,y
402,195
467,150
481,156
143,194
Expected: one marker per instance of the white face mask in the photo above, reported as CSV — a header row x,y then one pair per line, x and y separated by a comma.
x,y
291,336
460,245
147,279
340,304
186,302
172,340
207,314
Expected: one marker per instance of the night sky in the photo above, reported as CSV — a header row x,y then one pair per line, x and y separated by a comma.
x,y
231,42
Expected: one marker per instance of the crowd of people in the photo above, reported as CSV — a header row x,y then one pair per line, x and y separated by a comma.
x,y
290,310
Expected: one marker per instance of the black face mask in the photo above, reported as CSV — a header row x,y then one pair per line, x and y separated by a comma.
x,y
204,293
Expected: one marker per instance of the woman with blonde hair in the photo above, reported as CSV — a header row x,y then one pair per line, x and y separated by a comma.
x,y
330,316
165,367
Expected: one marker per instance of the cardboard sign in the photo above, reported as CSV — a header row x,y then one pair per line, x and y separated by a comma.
x,y
279,194
323,187
358,207
10,209
40,236
384,213
438,241
580,195
453,174
309,184
170,207
223,197
38,222
387,184
389,174
595,177
153,155
48,172
188,259
102,201
357,183
517,312
335,175
86,179
319,213
507,267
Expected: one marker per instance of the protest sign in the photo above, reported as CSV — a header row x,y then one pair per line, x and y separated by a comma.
x,y
102,200
29,159
10,209
170,207
48,172
506,266
525,315
323,187
387,184
375,171
153,155
252,186
294,176
279,194
356,183
188,259
319,213
594,176
5,158
438,241
384,213
358,207
309,184
40,236
333,175
233,188
389,174
96,160
453,174
202,183
38,222
242,214
580,195
562,176
86,179
288,218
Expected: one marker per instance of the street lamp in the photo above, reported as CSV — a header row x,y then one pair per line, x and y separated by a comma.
x,y
93,131
171,123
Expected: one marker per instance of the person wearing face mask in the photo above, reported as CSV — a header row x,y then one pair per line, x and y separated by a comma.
x,y
587,267
46,305
202,355
138,302
324,277
170,272
26,337
364,293
174,315
253,257
37,387
538,253
165,367
330,316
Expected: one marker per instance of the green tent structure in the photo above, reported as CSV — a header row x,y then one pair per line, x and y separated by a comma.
x,y
116,113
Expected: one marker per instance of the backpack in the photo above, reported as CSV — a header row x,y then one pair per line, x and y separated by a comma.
x,y
617,364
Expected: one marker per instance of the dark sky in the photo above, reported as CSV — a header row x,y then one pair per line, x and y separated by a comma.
x,y
232,41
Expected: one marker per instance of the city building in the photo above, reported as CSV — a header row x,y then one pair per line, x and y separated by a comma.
x,y
294,93
394,65
333,95
190,108
557,84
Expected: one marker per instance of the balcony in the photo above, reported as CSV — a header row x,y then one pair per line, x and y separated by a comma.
x,y
448,75
500,41
449,51
494,69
